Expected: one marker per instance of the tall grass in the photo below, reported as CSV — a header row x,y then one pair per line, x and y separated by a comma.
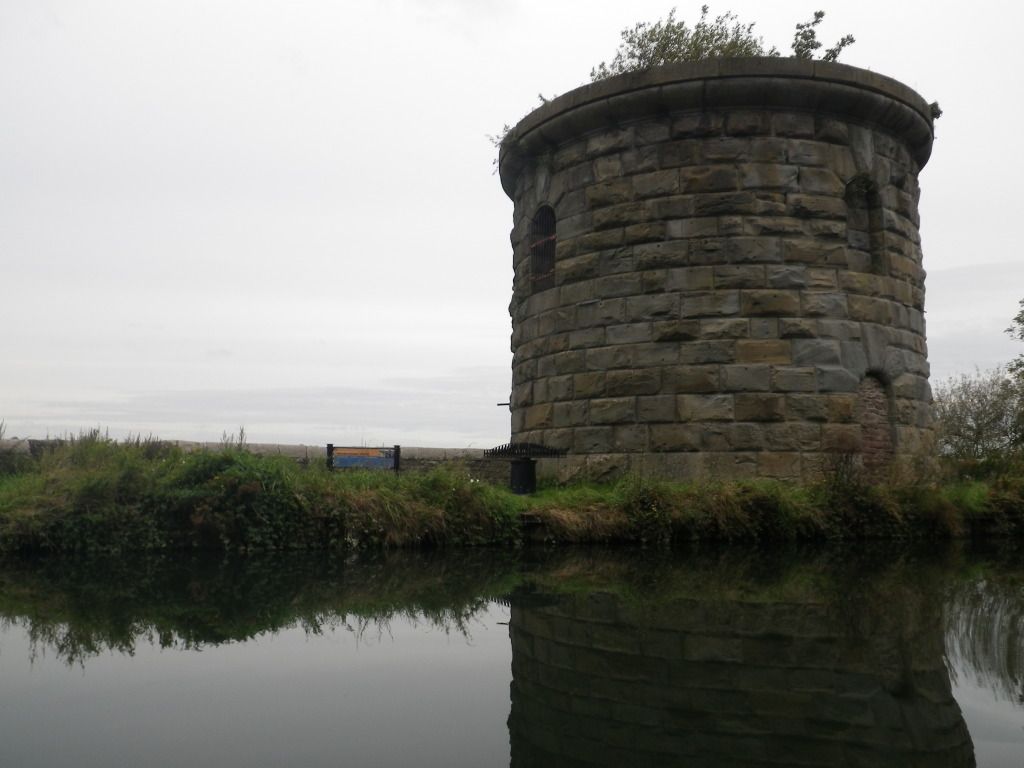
x,y
93,494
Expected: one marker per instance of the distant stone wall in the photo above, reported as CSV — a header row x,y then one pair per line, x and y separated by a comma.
x,y
736,252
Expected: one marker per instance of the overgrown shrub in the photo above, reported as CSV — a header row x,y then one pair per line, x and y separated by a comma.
x,y
980,417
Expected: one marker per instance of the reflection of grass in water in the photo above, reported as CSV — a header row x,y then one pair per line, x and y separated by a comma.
x,y
77,609
80,609
984,630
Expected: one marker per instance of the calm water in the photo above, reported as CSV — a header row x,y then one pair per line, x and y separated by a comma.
x,y
582,658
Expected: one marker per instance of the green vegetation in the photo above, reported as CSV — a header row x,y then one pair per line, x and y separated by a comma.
x,y
668,41
93,494
980,417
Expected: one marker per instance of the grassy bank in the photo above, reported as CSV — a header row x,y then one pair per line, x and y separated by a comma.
x,y
92,494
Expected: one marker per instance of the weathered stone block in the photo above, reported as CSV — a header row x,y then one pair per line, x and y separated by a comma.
x,y
671,253
587,385
652,307
587,337
735,250
724,203
612,410
609,193
746,378
751,406
854,358
806,407
522,394
639,382
763,351
840,408
797,124
740,437
816,352
834,131
802,152
705,407
686,228
911,386
769,302
702,352
608,168
593,439
655,354
817,304
794,379
695,179
675,437
726,150
792,436
764,328
836,379
710,304
813,252
614,286
656,184
777,465
747,123
816,206
691,378
676,330
651,231
630,438
786,276
572,413
613,216
606,358
769,176
821,181
867,309
656,408
841,438
679,153
569,362
726,328
539,416
772,225
630,333
597,241
610,141
558,388
742,276
686,279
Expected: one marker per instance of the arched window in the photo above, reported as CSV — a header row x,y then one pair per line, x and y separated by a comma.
x,y
542,249
865,228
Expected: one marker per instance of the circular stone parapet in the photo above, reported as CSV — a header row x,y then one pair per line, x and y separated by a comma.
x,y
718,270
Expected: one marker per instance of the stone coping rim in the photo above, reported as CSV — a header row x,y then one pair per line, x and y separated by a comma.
x,y
593,96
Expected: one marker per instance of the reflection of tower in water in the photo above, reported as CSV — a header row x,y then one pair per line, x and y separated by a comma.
x,y
597,681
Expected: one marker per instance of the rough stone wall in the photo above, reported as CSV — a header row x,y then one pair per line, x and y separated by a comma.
x,y
596,682
726,275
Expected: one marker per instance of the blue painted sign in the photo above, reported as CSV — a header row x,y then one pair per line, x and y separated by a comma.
x,y
340,457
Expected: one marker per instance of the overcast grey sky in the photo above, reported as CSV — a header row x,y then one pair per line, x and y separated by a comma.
x,y
282,214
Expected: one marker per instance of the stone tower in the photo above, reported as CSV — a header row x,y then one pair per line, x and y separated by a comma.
x,y
718,270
